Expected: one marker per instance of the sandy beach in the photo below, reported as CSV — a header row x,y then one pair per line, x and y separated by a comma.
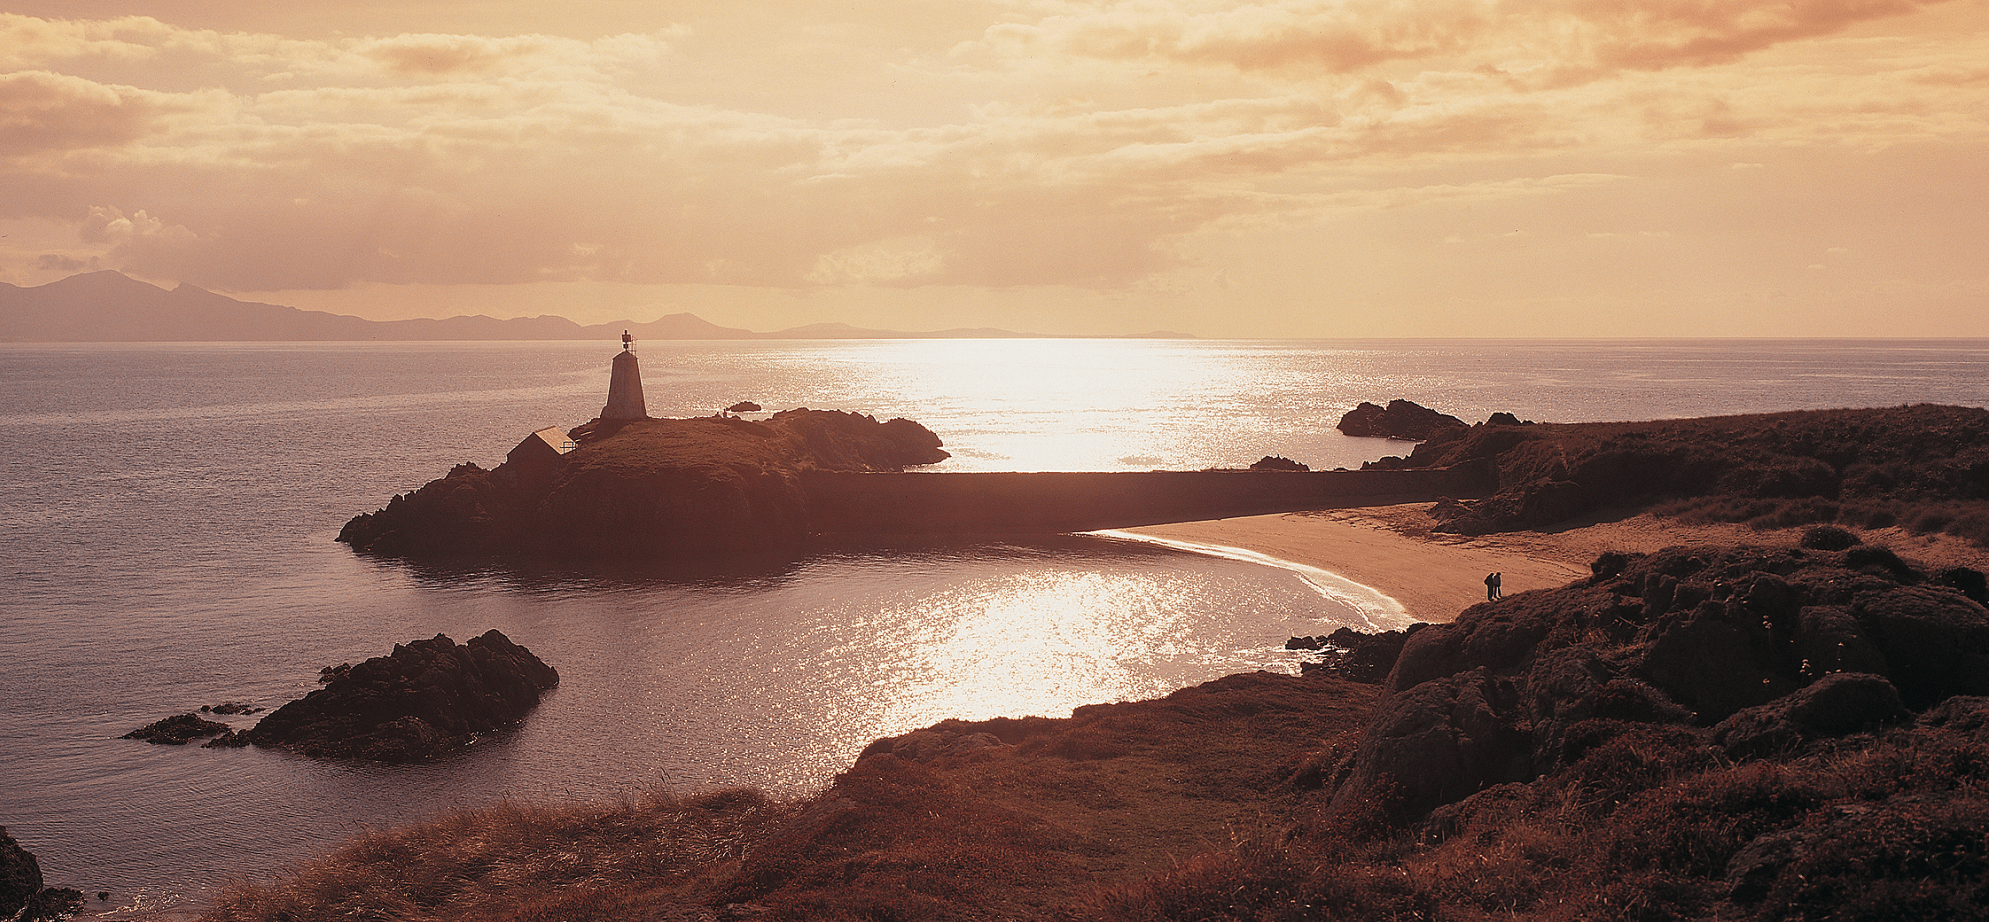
x,y
1435,577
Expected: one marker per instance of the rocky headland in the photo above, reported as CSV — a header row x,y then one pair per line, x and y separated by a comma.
x,y
704,485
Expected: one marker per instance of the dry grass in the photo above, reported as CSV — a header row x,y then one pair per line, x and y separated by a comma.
x,y
522,863
1209,805
1891,826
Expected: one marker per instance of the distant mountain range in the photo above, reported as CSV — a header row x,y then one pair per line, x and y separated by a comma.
x,y
109,306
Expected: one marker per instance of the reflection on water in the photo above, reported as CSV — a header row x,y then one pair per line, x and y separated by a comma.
x,y
675,676
167,514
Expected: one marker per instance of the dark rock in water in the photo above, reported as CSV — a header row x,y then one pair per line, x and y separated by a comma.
x,y
1358,657
233,739
229,707
744,406
177,730
425,699
1401,419
1277,463
23,896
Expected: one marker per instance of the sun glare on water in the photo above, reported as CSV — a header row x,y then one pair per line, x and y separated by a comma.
x,y
1029,644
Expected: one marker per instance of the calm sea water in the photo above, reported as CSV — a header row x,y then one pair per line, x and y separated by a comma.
x,y
167,514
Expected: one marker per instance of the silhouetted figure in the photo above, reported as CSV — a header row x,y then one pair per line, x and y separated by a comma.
x,y
1492,587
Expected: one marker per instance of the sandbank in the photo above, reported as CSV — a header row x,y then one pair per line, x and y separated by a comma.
x,y
1434,577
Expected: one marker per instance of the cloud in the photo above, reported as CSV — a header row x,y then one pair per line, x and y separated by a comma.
x,y
1063,149
1565,41
67,265
41,111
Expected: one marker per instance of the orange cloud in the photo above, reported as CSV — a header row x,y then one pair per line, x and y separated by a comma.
x,y
1112,147
1587,37
41,111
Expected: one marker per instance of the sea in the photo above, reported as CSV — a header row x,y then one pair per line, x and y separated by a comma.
x,y
167,515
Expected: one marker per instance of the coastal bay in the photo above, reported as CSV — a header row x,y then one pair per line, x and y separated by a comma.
x,y
172,518
1435,576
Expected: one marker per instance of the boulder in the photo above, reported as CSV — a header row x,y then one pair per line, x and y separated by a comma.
x,y
426,699
1832,706
1830,640
1434,744
1935,642
1706,661
23,896
1401,419
1771,648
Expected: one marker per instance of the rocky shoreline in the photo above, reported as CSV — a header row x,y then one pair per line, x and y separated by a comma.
x,y
1732,731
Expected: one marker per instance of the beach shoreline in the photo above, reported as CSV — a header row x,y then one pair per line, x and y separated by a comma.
x,y
1435,577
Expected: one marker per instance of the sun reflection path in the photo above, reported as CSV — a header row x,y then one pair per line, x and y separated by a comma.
x,y
1038,643
1377,610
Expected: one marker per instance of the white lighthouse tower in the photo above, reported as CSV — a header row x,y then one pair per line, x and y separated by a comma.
x,y
625,385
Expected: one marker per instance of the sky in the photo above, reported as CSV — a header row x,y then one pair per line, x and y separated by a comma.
x,y
1286,168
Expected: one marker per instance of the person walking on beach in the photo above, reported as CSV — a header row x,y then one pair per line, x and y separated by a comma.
x,y
1492,587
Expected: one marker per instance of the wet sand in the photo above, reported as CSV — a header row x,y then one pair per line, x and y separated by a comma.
x,y
1435,577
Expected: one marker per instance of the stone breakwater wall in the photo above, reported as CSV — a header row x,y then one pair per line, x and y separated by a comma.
x,y
939,503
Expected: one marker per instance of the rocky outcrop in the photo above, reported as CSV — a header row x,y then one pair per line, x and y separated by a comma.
x,y
1277,463
707,485
1923,467
1756,651
1832,706
426,699
23,896
1401,419
1352,655
177,730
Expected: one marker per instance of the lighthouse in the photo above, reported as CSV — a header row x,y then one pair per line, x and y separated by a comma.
x,y
625,385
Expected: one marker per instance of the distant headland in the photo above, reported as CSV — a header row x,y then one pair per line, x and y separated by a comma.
x,y
109,306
